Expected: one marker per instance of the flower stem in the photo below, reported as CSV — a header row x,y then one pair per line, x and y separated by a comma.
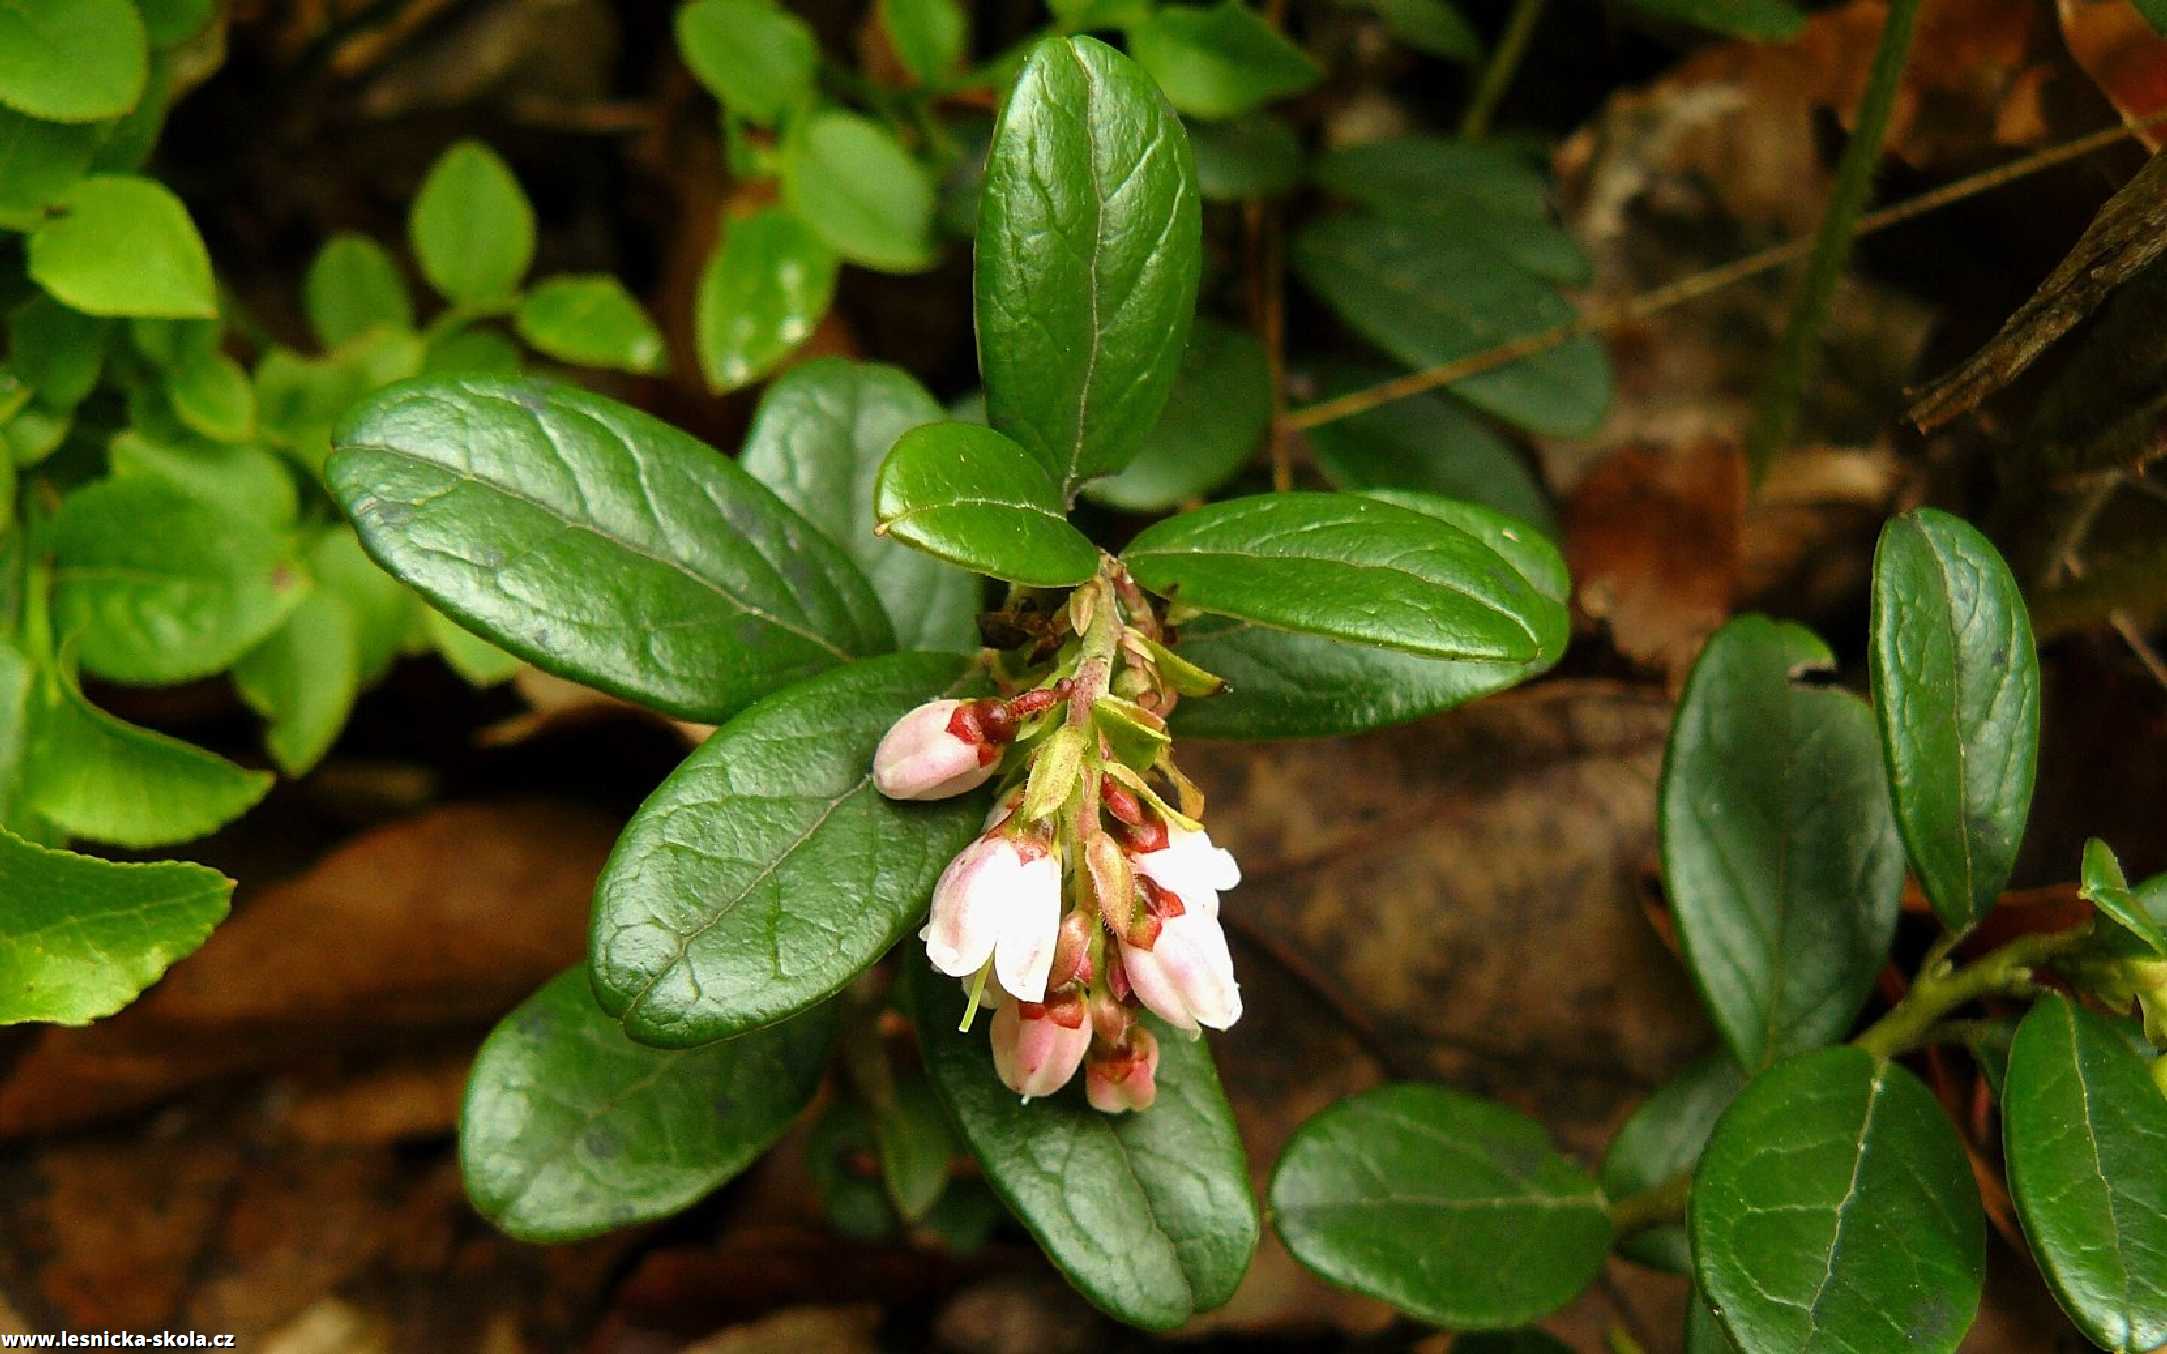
x,y
1498,72
1653,1206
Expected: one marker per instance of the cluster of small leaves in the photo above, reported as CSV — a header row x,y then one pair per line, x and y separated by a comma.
x,y
1817,1192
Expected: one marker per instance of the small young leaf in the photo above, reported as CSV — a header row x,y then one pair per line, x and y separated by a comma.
x,y
1428,298
18,705
1956,690
352,287
2107,889
123,246
171,22
838,1149
59,351
1833,1211
970,496
1489,196
241,480
929,36
72,60
478,662
1431,26
766,871
1089,248
761,294
599,543
2085,1133
99,777
1754,20
162,587
298,399
211,395
818,439
851,181
916,1147
81,937
1455,1210
382,608
304,679
570,1129
471,227
1286,685
1252,157
592,321
753,55
472,350
1220,61
1780,854
1665,1136
1349,567
1214,421
39,162
1149,1214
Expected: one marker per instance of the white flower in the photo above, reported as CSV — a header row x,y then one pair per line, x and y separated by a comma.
x,y
1191,868
932,754
1187,976
999,899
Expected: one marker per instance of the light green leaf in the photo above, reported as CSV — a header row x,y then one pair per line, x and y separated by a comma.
x,y
39,162
352,287
929,36
767,872
751,54
2106,888
211,395
171,22
1089,247
382,608
762,293
304,680
1214,421
72,60
471,227
598,543
970,496
1220,61
592,321
59,351
1431,26
472,350
571,1129
478,662
81,937
851,181
123,246
1480,194
241,480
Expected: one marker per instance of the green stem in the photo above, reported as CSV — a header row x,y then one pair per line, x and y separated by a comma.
x,y
1784,388
1504,62
1653,1206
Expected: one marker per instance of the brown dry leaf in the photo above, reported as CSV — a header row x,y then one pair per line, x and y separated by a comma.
x,y
1653,538
795,1330
2124,57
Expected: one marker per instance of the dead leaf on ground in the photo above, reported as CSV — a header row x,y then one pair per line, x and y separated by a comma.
x,y
2127,60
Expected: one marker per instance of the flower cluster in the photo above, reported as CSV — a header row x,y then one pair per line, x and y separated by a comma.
x,y
1089,893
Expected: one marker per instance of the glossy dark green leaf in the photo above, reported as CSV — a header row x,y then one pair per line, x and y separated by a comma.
x,y
1432,26
304,680
1664,1137
851,181
472,227
2085,1133
99,777
1956,690
599,543
1255,156
767,872
1780,854
352,287
1757,20
39,162
1286,685
1834,1212
755,56
970,496
1349,567
158,586
929,36
761,294
592,321
1149,1215
1214,421
72,60
1455,1210
122,245
818,439
1428,298
570,1128
1219,61
1431,444
1481,193
80,937
1089,247
2106,888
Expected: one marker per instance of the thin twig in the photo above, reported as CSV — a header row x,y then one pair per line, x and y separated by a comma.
x,y
1498,72
1267,304
1633,309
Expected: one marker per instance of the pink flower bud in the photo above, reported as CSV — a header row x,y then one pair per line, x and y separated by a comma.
x,y
1035,1049
1186,975
999,899
1072,951
1125,1078
936,751
1192,868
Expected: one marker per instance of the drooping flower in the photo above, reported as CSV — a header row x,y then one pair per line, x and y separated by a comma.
x,y
1037,1048
1184,973
999,899
1192,867
937,751
1120,1079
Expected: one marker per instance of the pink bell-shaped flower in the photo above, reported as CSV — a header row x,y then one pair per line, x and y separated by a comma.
x,y
999,899
1125,1078
937,751
1036,1049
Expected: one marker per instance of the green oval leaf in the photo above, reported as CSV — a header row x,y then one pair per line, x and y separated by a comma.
x,y
1219,61
851,181
1834,1212
751,54
242,480
592,321
80,937
761,294
1214,421
1281,684
767,872
2106,888
471,227
2085,1131
1956,689
304,680
211,395
570,1129
1428,298
970,496
1089,248
1780,854
158,586
929,36
1149,1214
1662,1138
352,287
818,439
1486,195
39,162
1349,567
1431,26
1455,1210
120,245
72,60
1255,156
599,543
